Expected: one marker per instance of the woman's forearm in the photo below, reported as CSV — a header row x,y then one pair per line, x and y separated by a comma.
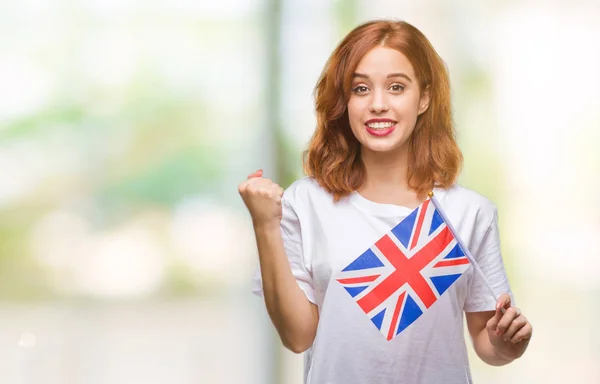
x,y
292,314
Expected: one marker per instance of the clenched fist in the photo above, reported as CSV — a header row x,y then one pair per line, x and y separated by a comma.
x,y
263,199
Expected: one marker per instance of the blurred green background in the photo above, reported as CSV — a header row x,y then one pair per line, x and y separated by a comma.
x,y
126,254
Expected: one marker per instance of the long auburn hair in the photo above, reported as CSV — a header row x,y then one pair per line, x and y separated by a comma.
x,y
333,154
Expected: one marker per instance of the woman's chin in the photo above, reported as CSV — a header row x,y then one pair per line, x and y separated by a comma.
x,y
381,147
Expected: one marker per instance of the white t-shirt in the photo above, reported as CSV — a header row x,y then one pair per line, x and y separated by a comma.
x,y
322,238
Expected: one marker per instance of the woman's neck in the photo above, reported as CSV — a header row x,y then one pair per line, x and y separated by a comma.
x,y
386,179
385,170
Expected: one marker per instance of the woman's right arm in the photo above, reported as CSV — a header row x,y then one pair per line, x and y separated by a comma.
x,y
292,314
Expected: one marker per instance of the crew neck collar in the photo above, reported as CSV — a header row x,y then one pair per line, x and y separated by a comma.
x,y
386,210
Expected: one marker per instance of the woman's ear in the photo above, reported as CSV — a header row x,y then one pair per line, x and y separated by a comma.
x,y
424,101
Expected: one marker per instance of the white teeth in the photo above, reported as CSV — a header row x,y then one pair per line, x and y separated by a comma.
x,y
380,125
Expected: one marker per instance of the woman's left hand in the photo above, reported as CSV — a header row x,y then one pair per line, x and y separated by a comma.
x,y
509,330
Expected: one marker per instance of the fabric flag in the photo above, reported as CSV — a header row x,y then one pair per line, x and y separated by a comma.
x,y
406,271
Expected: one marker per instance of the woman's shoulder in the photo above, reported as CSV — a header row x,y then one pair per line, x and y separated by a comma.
x,y
460,193
460,199
303,189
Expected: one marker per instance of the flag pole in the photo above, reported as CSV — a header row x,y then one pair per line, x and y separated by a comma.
x,y
462,245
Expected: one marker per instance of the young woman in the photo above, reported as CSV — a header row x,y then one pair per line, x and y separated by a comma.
x,y
384,140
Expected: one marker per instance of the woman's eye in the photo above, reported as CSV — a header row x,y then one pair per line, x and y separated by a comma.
x,y
397,87
360,89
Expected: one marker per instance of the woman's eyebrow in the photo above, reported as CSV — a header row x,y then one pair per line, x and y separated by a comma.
x,y
399,74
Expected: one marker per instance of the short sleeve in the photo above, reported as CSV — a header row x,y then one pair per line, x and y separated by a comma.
x,y
489,259
293,236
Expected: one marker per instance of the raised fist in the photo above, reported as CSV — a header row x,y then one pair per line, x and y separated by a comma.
x,y
262,198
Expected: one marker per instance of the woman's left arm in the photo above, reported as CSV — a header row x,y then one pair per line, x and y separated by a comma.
x,y
499,337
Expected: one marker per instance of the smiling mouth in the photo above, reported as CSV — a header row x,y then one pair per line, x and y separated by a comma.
x,y
381,128
381,125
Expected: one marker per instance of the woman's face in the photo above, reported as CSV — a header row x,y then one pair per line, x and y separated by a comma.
x,y
385,101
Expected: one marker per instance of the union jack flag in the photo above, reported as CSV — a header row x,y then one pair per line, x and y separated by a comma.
x,y
403,274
